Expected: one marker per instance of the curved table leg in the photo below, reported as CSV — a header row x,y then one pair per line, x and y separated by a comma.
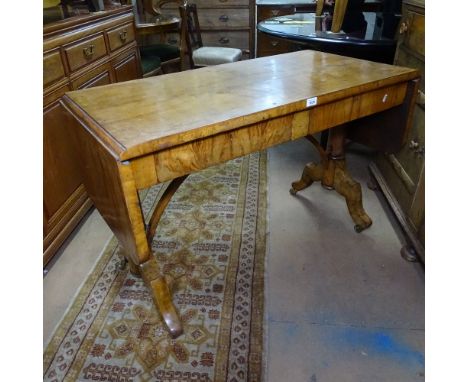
x,y
312,173
161,296
333,175
351,190
150,271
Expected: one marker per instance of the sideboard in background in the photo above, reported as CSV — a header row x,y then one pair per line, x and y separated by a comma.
x,y
79,52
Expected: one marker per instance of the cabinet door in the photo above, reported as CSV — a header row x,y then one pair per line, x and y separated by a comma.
x,y
61,171
127,68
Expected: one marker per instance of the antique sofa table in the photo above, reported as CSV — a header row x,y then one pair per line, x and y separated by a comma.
x,y
139,133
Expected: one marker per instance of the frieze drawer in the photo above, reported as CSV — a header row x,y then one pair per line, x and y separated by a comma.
x,y
224,18
85,52
229,39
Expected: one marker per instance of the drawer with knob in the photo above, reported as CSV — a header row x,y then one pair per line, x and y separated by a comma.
x,y
412,32
268,46
120,36
224,18
267,12
226,23
231,39
85,51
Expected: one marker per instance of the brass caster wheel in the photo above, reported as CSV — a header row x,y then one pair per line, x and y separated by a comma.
x,y
409,254
292,191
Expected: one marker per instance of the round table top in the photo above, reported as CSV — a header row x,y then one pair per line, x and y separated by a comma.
x,y
149,24
308,28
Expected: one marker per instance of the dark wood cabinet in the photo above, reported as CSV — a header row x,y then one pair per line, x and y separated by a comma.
x,y
269,45
401,175
228,23
79,52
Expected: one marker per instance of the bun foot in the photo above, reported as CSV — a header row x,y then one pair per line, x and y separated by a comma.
x,y
409,254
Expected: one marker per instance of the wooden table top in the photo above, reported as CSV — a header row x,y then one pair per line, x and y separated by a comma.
x,y
138,117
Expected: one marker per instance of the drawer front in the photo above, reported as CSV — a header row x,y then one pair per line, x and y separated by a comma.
x,y
229,39
412,31
172,39
86,51
52,69
120,36
98,76
55,95
223,18
267,12
269,46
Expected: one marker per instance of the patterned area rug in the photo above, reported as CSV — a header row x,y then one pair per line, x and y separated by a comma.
x,y
211,244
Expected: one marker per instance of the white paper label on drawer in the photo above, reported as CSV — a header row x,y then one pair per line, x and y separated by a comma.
x,y
311,101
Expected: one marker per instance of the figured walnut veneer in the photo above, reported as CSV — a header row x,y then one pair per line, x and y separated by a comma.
x,y
139,133
141,117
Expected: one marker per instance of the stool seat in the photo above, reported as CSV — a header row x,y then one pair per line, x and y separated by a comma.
x,y
208,55
198,54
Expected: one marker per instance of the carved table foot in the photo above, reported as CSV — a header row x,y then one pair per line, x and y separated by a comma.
x,y
351,190
161,296
312,173
331,172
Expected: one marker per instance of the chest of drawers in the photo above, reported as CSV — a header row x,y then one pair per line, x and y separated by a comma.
x,y
79,52
401,175
228,23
